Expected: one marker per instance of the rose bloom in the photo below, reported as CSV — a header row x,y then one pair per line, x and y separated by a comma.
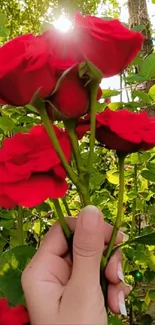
x,y
122,130
12,315
108,44
29,62
71,99
25,67
30,168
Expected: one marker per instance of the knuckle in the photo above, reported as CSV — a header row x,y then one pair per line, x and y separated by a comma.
x,y
84,249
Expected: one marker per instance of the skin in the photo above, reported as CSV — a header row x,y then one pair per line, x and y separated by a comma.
x,y
59,291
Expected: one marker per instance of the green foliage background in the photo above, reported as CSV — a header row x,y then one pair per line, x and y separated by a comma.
x,y
139,202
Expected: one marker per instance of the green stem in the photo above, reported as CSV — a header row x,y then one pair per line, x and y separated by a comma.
x,y
74,178
134,203
85,198
50,130
70,126
62,220
120,206
94,90
20,217
66,206
83,190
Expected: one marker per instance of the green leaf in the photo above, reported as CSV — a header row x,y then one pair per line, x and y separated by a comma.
x,y
148,239
139,157
139,204
147,68
13,238
152,92
148,175
134,158
132,194
135,78
6,214
6,124
149,275
113,106
151,167
146,320
9,110
31,108
142,95
132,105
151,261
113,320
12,263
138,28
8,224
113,177
106,93
2,19
26,119
129,252
37,227
3,29
96,179
100,107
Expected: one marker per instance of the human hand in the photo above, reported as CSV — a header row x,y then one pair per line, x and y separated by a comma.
x,y
58,291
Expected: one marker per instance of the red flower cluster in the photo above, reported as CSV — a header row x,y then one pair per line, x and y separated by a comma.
x,y
122,130
30,168
12,315
31,62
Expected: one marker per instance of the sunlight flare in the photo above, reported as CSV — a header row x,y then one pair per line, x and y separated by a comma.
x,y
62,24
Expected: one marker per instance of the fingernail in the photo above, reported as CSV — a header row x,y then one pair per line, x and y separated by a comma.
x,y
125,237
122,306
129,286
120,272
90,217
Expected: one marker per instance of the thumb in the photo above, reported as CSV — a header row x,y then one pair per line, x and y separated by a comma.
x,y
88,246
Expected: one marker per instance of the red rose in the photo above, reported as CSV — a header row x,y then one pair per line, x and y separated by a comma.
x,y
121,130
108,44
30,169
24,68
72,96
125,131
12,315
